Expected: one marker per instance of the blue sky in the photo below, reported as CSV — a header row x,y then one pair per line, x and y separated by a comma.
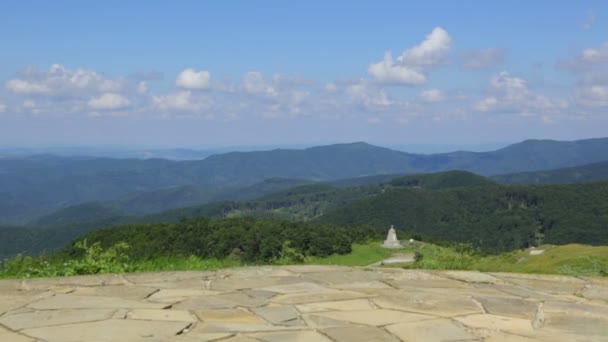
x,y
208,74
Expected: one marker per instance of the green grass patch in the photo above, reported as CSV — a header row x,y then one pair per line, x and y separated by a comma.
x,y
362,255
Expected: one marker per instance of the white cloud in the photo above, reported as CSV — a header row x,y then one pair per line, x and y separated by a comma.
x,y
482,59
330,88
511,94
589,60
390,72
109,101
192,79
410,68
254,83
432,95
2,107
30,104
181,101
431,51
142,88
368,96
593,96
59,81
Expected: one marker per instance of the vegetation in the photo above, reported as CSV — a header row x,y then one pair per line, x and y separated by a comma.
x,y
33,186
494,218
578,174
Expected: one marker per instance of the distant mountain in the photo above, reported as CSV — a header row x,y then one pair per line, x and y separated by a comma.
x,y
578,174
36,185
441,180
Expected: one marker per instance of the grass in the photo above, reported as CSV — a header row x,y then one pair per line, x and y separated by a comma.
x,y
573,259
362,255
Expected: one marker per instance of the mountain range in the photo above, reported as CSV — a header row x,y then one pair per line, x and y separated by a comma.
x,y
33,186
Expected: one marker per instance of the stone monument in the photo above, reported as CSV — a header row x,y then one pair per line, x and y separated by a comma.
x,y
391,239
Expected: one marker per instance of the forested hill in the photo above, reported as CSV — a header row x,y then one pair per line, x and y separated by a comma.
x,y
578,174
32,186
493,218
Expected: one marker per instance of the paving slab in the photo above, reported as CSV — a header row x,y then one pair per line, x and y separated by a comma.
x,y
294,336
432,330
306,303
359,334
379,317
342,305
61,302
110,330
277,315
119,291
7,335
37,318
161,315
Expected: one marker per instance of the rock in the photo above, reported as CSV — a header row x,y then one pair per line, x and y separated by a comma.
x,y
91,302
161,315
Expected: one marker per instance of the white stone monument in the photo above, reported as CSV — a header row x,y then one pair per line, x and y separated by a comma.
x,y
391,239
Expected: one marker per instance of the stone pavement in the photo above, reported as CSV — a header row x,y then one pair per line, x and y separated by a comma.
x,y
305,303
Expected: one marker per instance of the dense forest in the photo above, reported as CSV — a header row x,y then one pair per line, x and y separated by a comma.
x,y
449,206
248,239
492,218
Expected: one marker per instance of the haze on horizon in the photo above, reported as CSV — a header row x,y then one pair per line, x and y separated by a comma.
x,y
276,73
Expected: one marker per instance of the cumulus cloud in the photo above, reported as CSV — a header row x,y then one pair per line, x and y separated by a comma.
x,y
109,101
192,79
511,94
411,66
389,71
254,83
432,95
368,96
593,96
588,60
482,59
181,101
142,88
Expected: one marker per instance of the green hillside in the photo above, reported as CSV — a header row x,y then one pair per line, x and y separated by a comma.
x,y
585,173
492,218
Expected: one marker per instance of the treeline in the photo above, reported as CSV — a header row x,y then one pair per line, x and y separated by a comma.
x,y
248,239
493,218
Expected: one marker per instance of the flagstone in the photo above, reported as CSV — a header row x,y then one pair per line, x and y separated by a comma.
x,y
161,315
109,330
508,306
359,334
473,277
90,302
118,291
312,297
37,318
497,323
437,330
445,305
177,295
343,305
379,317
7,335
238,315
277,314
292,336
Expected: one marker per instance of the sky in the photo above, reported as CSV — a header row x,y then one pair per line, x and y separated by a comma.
x,y
243,73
